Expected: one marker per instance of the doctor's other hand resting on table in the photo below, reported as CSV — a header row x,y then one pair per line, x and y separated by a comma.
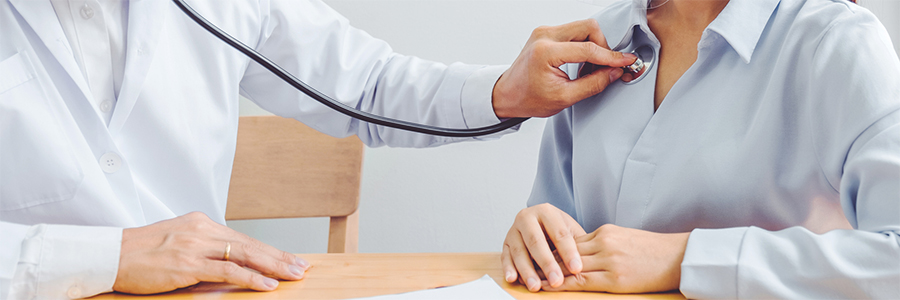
x,y
186,250
105,126
758,157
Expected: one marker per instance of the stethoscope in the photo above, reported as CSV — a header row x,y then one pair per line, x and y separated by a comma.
x,y
645,57
638,68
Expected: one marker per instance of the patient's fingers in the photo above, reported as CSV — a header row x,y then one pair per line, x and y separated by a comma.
x,y
528,248
562,229
522,261
507,265
535,241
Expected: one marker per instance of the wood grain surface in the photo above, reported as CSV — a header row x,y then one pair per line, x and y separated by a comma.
x,y
342,276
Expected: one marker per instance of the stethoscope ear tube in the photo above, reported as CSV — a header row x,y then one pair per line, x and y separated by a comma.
x,y
333,104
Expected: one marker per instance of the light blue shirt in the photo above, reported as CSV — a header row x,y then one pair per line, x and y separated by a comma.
x,y
779,150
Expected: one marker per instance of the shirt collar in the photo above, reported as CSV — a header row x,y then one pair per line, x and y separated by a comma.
x,y
621,32
741,24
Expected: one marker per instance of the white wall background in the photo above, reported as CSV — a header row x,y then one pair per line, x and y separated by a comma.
x,y
888,12
461,197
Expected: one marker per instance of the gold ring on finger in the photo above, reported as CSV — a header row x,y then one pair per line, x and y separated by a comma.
x,y
227,251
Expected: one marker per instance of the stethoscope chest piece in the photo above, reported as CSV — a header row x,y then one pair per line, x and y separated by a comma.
x,y
638,70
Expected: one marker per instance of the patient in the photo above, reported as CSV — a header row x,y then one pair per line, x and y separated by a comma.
x,y
759,157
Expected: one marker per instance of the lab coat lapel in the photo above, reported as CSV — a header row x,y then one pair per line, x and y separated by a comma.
x,y
146,18
41,16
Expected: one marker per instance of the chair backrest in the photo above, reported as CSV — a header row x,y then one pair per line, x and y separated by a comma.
x,y
284,169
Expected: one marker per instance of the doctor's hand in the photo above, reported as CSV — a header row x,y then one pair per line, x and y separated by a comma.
x,y
186,250
534,86
537,233
625,260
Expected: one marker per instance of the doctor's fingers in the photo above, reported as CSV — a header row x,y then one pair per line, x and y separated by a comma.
x,y
200,224
577,52
254,247
229,272
252,256
521,260
582,30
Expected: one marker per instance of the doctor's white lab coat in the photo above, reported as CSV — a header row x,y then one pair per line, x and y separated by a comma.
x,y
169,146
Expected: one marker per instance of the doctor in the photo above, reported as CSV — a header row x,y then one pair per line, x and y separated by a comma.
x,y
123,114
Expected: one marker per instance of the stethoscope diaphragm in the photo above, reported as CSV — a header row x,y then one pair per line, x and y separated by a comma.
x,y
638,70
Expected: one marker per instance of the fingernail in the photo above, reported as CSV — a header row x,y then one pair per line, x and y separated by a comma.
x,y
510,276
270,283
629,56
533,284
302,263
575,265
296,271
615,74
555,279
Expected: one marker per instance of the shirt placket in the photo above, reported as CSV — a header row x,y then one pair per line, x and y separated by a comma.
x,y
636,192
93,39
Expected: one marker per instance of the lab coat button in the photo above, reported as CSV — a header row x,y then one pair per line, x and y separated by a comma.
x,y
87,12
74,292
110,162
106,106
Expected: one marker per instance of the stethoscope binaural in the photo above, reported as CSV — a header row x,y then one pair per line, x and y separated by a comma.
x,y
638,68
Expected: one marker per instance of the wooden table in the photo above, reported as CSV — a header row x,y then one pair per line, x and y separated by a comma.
x,y
341,276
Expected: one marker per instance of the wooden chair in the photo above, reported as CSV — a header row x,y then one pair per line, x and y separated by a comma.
x,y
284,169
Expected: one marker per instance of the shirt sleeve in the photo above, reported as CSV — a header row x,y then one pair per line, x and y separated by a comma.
x,y
318,46
58,261
853,106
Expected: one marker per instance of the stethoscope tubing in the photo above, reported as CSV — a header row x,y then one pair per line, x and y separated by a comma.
x,y
333,104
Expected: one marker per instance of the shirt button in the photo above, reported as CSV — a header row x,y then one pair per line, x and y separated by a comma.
x,y
110,162
74,292
87,12
106,106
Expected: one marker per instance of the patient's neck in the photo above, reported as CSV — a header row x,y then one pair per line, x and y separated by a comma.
x,y
678,25
686,14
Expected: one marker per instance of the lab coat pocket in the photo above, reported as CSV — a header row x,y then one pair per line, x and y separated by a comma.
x,y
37,163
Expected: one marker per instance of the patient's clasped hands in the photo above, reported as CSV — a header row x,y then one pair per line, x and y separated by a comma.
x,y
548,250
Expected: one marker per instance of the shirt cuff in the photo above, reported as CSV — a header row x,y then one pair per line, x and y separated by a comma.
x,y
66,261
477,97
12,235
710,265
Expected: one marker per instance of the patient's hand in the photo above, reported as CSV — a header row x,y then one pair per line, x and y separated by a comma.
x,y
528,239
625,260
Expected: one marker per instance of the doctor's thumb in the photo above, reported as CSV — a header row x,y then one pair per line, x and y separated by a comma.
x,y
593,83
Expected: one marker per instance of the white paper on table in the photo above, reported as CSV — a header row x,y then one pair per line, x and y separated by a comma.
x,y
483,288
